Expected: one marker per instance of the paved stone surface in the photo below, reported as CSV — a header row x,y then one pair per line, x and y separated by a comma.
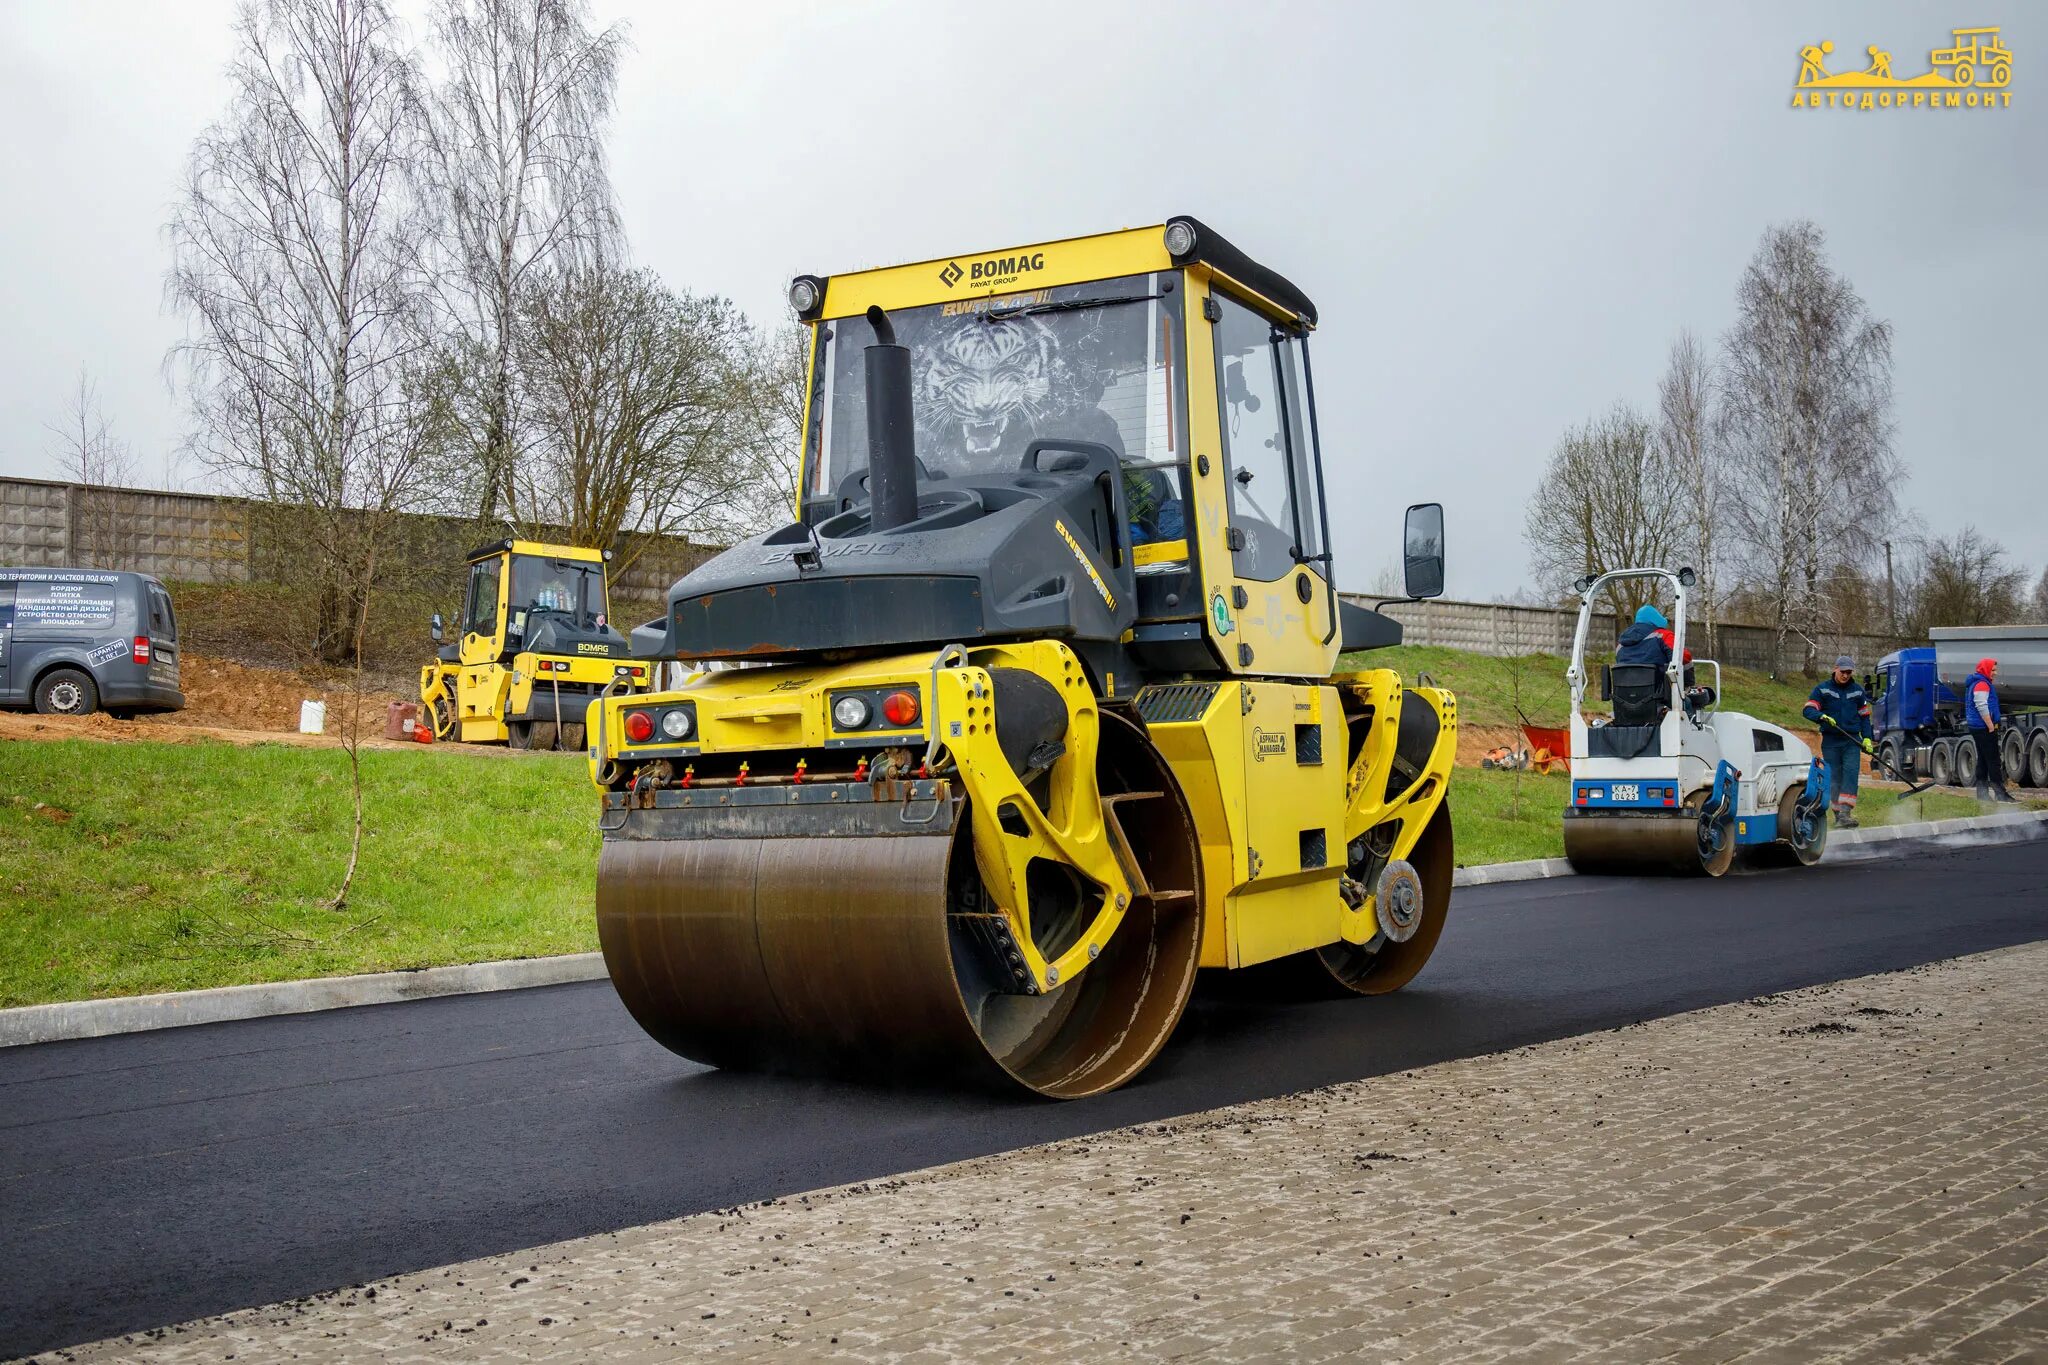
x,y
1854,1172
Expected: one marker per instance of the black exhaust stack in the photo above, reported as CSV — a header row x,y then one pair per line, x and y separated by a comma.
x,y
892,444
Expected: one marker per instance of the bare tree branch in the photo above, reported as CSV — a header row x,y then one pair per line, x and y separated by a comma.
x,y
653,409
1607,500
294,259
1692,454
520,173
90,457
1805,414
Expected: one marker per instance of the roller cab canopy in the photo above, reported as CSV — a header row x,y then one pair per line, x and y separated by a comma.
x,y
1160,364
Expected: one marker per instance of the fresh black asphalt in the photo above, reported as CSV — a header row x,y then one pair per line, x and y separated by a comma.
x,y
157,1177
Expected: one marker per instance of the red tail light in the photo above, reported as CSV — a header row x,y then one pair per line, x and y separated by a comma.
x,y
639,727
900,708
142,649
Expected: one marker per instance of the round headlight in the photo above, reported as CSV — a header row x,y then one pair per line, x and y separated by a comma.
x,y
676,724
850,713
1180,238
803,294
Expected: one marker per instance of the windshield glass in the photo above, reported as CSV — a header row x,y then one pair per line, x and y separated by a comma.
x,y
573,588
1088,362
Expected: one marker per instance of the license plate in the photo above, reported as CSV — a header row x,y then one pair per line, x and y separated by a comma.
x,y
1628,791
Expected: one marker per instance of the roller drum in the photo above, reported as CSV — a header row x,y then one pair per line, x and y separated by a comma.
x,y
1618,843
842,941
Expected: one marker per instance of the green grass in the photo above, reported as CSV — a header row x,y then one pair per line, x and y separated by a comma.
x,y
130,868
1486,686
1493,825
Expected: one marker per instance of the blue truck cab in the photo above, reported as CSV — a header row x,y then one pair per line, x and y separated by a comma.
x,y
1909,692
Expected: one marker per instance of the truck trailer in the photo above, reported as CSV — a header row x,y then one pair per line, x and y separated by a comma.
x,y
1918,705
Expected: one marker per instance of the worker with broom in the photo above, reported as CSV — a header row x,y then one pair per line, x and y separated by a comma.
x,y
1841,708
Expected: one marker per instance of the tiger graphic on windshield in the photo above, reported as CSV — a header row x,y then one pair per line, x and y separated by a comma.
x,y
979,377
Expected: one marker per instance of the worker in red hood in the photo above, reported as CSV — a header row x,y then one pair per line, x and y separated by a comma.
x,y
1980,713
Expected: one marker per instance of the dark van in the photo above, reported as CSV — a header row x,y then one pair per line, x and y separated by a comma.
x,y
75,641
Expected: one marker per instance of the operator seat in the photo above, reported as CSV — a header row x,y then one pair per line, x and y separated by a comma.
x,y
1639,694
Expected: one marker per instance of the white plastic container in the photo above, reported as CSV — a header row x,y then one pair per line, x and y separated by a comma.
x,y
312,717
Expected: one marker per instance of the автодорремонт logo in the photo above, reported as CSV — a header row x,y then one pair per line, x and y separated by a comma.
x,y
1973,73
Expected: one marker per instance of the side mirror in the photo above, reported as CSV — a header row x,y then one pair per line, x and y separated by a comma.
x,y
435,627
1422,552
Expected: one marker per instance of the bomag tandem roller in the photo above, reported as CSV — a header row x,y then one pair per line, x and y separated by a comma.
x,y
1030,713
536,647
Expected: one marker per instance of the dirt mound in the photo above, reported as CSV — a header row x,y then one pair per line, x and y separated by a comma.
x,y
223,693
239,703
15,725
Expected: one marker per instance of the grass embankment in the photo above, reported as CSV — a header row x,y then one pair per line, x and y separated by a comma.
x,y
147,866
1486,686
131,868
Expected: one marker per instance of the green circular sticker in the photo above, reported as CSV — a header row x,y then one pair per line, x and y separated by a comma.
x,y
1219,611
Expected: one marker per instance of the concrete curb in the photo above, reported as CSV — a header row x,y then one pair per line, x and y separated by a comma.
x,y
1490,874
175,1009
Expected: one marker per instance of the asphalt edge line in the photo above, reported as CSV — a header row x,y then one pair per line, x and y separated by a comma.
x,y
72,1019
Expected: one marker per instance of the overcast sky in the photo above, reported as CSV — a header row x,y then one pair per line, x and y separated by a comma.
x,y
1504,212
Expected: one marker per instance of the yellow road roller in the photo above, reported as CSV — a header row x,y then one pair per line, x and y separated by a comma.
x,y
1030,712
536,646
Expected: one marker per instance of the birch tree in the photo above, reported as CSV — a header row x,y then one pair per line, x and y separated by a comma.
x,y
293,251
1690,452
1607,500
1806,417
519,166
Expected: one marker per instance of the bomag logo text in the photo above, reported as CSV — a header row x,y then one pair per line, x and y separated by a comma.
x,y
582,648
838,551
1971,73
995,272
